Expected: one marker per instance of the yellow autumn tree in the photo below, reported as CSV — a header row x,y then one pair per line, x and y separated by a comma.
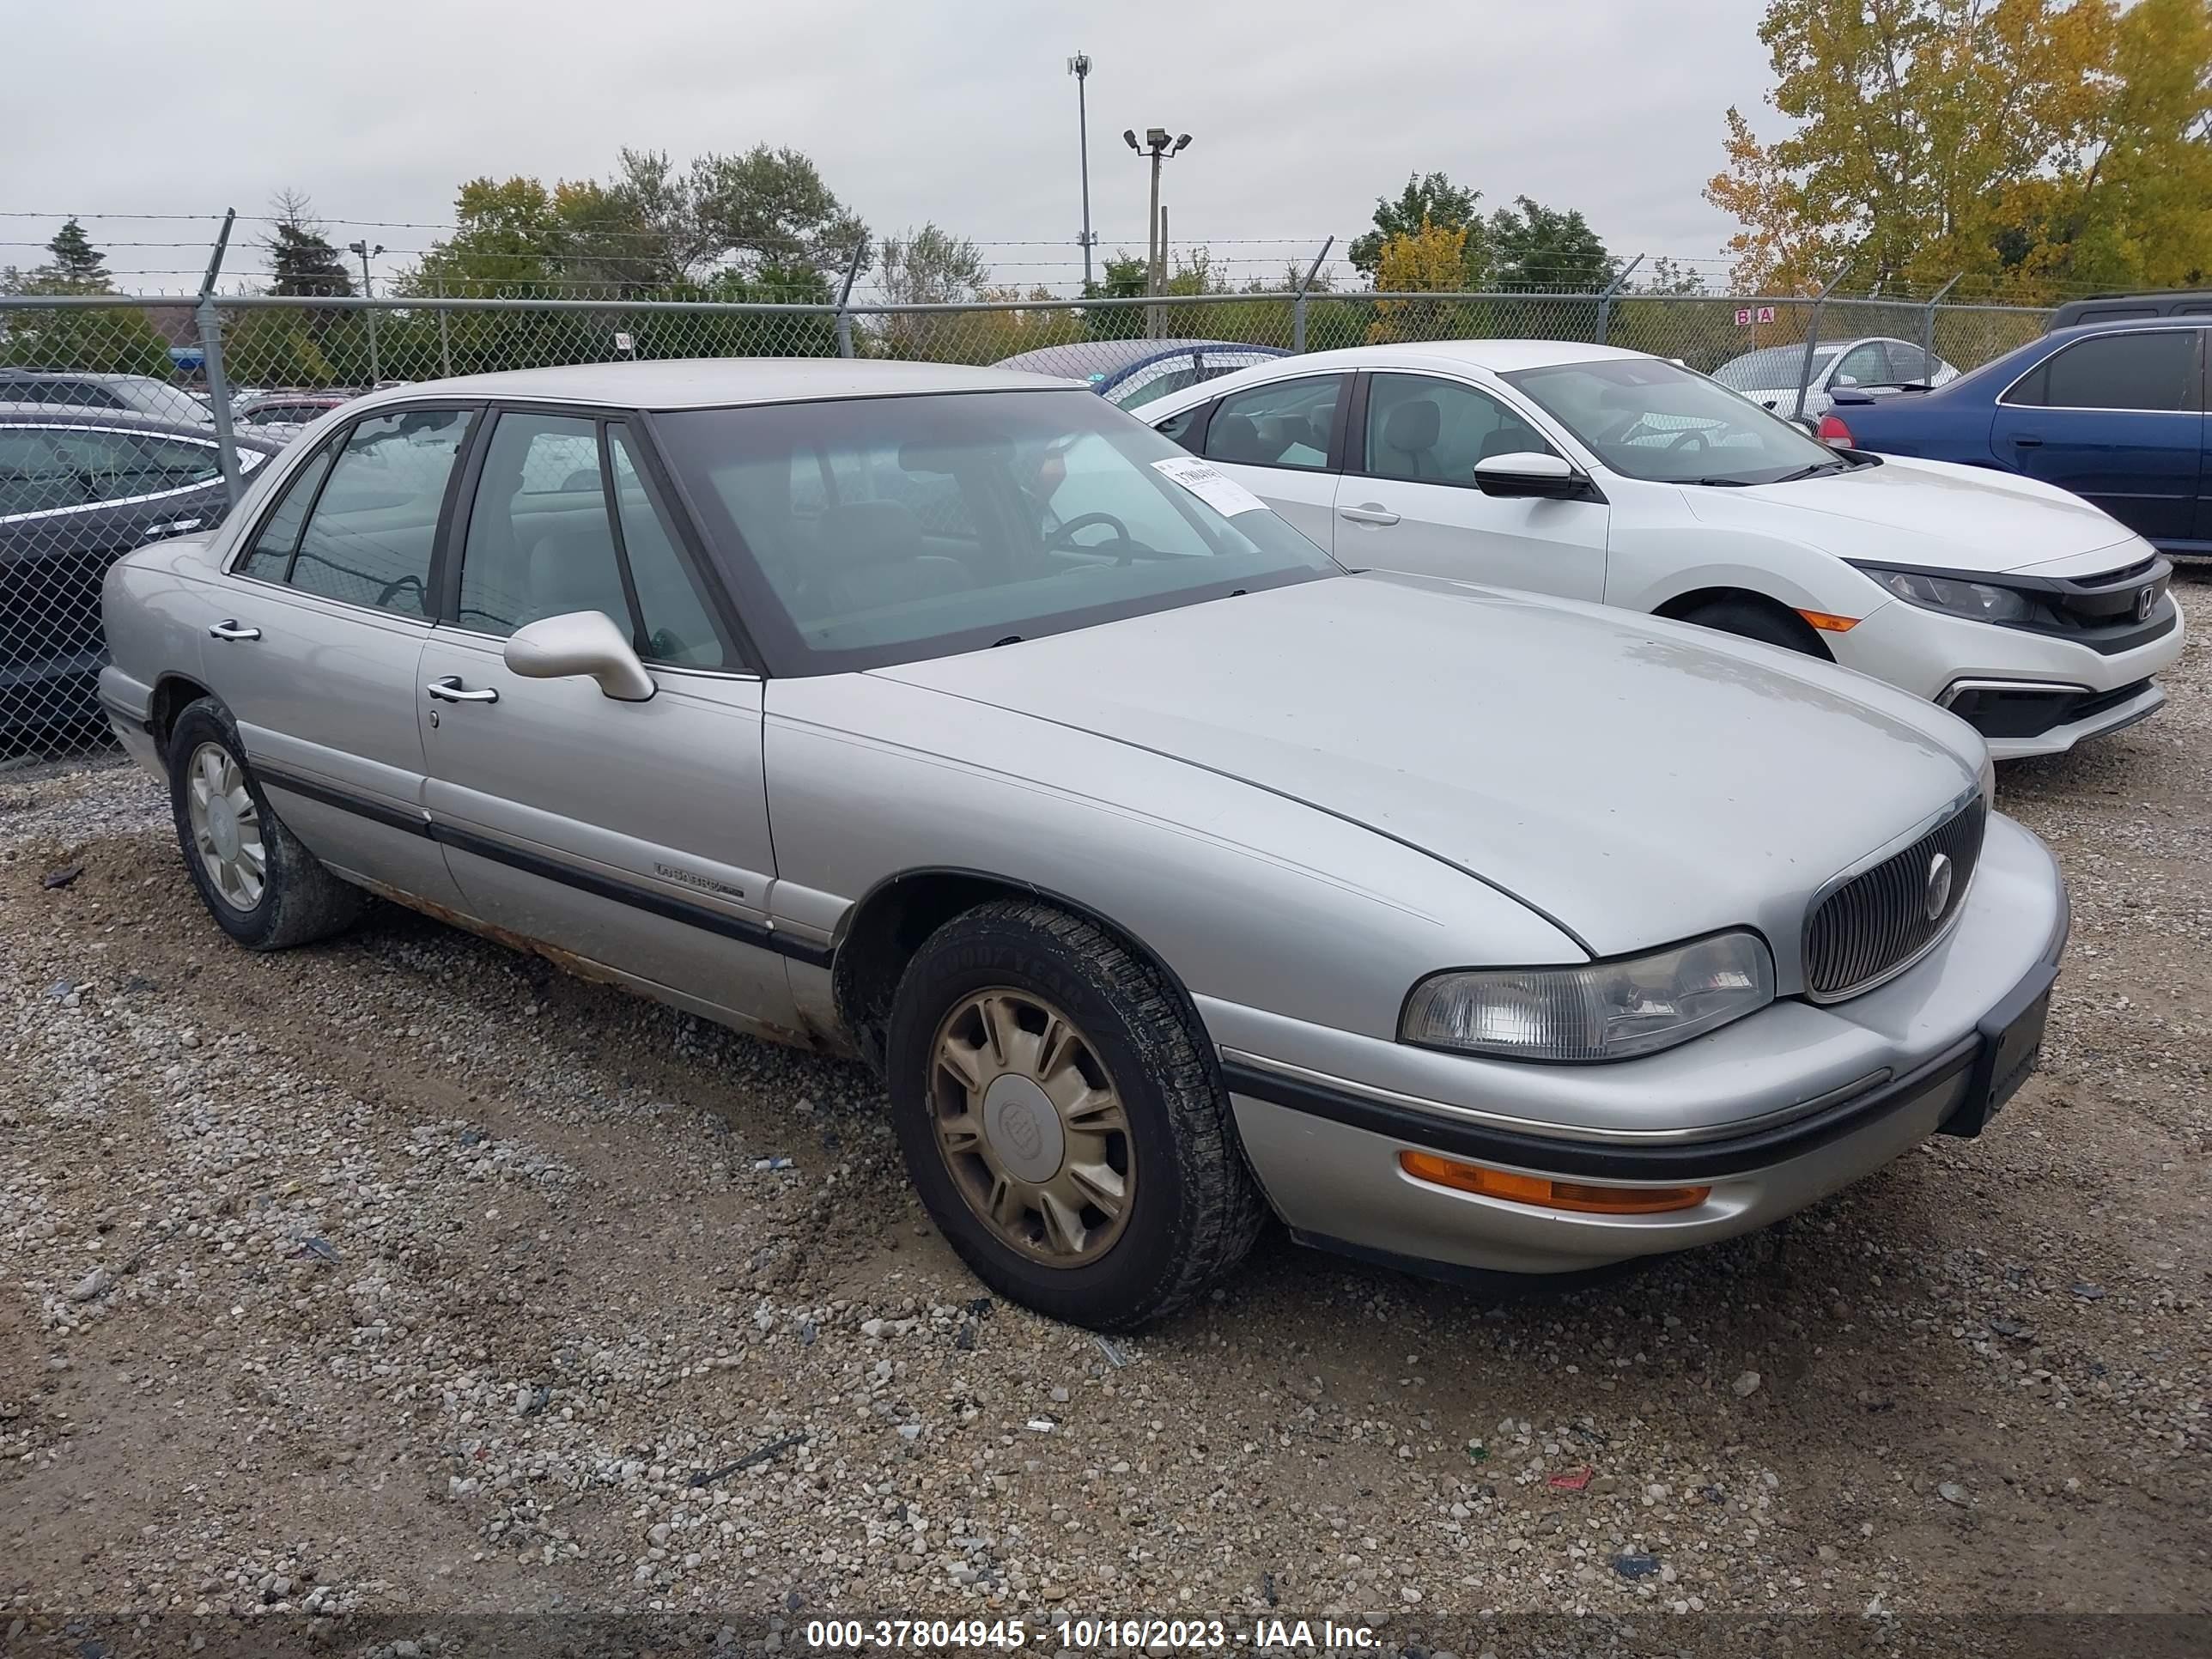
x,y
2034,145
1430,260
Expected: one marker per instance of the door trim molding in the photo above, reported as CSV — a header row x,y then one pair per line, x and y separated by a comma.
x,y
754,934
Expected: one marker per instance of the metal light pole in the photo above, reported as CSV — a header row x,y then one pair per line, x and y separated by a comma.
x,y
1159,147
368,292
1079,67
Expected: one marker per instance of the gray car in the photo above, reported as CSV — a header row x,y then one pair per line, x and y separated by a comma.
x,y
1169,873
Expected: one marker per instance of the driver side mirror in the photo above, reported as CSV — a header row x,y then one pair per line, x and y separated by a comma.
x,y
580,642
1526,472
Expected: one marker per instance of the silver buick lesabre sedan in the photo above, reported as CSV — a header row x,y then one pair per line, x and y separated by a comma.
x,y
1169,872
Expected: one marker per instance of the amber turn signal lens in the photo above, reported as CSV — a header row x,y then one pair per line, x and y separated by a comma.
x,y
1552,1194
1829,625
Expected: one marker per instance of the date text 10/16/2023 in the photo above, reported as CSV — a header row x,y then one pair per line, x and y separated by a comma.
x,y
1082,1634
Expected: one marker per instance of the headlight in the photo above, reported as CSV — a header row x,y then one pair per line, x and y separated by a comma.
x,y
1954,596
1603,1010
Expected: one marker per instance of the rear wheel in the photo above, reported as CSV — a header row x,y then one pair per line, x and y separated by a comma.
x,y
1758,619
1063,1119
263,888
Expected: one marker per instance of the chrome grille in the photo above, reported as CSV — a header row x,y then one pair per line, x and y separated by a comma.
x,y
1874,924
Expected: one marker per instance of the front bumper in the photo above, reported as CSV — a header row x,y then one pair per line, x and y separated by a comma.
x,y
1773,1133
2026,693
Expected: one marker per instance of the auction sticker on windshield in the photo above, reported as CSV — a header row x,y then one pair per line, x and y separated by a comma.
x,y
1217,490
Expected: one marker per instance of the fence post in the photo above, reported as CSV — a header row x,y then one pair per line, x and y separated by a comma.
x,y
1927,319
210,327
445,340
845,293
1298,305
1605,300
1811,338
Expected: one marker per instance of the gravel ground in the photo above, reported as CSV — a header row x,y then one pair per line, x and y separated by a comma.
x,y
403,1274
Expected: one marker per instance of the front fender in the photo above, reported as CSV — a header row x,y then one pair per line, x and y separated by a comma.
x,y
1243,896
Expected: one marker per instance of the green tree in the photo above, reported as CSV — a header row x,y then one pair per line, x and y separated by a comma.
x,y
77,266
1535,248
2034,144
1125,280
1432,199
301,260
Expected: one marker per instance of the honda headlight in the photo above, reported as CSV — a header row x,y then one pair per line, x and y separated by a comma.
x,y
1602,1010
1955,596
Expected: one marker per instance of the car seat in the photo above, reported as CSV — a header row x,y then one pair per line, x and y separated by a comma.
x,y
1410,433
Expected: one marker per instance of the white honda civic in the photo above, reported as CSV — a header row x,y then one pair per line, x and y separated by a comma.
x,y
1598,474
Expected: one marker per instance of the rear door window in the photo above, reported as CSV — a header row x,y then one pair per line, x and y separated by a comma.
x,y
1283,423
369,536
2145,369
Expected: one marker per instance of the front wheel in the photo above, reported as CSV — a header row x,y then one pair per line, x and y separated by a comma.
x,y
1752,619
1062,1119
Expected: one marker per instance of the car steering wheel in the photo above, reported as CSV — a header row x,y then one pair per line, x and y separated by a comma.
x,y
1687,440
1121,544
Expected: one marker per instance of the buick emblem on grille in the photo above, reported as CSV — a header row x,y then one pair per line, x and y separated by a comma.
x,y
2146,602
1938,892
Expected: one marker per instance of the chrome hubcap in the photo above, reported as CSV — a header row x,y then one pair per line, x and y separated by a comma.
x,y
226,827
1031,1128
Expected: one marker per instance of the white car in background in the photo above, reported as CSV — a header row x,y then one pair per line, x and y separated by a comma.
x,y
1769,377
1593,473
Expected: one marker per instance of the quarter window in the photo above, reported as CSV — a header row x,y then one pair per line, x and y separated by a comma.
x,y
2154,369
1285,423
1864,364
368,537
270,558
1435,431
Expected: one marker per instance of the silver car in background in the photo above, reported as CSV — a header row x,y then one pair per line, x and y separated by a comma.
x,y
1167,872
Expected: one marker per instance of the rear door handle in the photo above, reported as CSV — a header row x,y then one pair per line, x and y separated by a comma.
x,y
229,629
450,689
1372,513
2024,441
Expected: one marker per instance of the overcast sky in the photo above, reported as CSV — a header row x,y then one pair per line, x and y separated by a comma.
x,y
1302,112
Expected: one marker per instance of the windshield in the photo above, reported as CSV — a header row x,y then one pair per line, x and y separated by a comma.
x,y
884,530
1763,371
1648,419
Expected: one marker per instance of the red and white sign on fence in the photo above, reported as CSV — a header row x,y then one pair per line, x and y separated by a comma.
x,y
1748,315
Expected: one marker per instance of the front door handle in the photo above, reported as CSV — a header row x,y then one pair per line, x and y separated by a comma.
x,y
450,689
1370,513
229,629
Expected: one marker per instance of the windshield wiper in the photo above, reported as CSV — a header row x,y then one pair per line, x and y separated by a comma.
x,y
1717,483
1818,469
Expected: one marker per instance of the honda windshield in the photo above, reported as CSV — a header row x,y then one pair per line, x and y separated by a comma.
x,y
1645,418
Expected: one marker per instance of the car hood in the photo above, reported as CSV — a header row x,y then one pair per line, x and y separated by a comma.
x,y
1932,514
1637,781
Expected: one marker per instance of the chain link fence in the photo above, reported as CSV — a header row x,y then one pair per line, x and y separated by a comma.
x,y
128,419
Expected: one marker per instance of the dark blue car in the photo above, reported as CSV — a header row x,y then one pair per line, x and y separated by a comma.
x,y
2114,411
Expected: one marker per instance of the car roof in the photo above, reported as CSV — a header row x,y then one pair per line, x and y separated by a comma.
x,y
105,377
2117,325
1499,356
713,382
1082,358
128,420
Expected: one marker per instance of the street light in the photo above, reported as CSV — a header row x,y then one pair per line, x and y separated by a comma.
x,y
1079,67
1159,146
368,292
